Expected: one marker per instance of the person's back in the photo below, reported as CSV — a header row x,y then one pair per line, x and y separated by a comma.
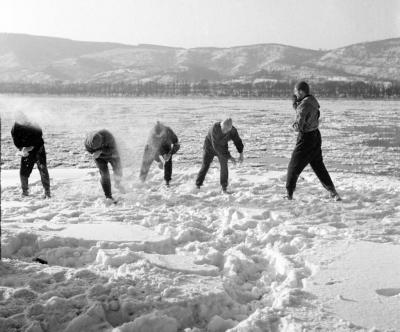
x,y
102,140
218,140
27,134
161,137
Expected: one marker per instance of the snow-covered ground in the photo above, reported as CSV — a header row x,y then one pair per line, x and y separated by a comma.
x,y
182,259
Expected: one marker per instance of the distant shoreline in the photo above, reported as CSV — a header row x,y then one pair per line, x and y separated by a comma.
x,y
48,95
207,89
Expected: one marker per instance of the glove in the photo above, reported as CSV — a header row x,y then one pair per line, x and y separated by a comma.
x,y
175,148
25,151
96,154
166,157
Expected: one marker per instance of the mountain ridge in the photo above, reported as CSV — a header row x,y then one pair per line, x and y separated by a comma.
x,y
41,59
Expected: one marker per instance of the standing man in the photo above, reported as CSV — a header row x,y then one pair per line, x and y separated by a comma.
x,y
162,142
308,145
28,139
101,144
216,144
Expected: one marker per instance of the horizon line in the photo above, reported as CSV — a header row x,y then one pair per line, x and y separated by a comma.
x,y
198,47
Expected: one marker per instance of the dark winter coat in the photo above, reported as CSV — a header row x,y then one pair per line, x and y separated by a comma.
x,y
162,140
218,141
25,135
307,114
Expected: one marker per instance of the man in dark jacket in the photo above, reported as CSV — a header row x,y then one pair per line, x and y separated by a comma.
x,y
216,144
101,144
162,142
308,145
28,139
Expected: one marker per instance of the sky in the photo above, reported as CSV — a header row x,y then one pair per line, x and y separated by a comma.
x,y
315,24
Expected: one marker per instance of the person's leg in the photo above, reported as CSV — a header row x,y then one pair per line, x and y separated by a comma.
x,y
104,176
224,172
318,166
25,171
299,160
168,171
44,173
148,158
208,157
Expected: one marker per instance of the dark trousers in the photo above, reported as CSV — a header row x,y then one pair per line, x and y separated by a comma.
x,y
149,158
102,164
307,151
38,156
168,170
208,157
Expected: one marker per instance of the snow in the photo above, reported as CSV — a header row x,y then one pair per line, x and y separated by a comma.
x,y
362,281
237,262
182,259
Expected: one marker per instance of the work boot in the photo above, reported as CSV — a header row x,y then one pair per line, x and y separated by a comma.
x,y
289,195
226,191
335,196
24,185
167,183
110,200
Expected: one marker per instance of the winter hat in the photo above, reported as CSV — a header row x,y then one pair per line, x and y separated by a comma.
x,y
94,140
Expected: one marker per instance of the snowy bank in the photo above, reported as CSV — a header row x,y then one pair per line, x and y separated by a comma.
x,y
178,258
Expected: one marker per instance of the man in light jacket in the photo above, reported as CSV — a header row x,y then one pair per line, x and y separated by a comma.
x,y
308,145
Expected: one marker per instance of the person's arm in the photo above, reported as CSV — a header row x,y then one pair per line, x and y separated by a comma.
x,y
221,149
174,139
237,140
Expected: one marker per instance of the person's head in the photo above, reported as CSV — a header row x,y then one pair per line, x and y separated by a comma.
x,y
95,140
301,89
226,125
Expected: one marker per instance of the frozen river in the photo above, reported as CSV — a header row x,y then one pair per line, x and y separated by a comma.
x,y
361,136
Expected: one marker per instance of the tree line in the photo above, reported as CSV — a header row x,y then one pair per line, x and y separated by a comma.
x,y
260,89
